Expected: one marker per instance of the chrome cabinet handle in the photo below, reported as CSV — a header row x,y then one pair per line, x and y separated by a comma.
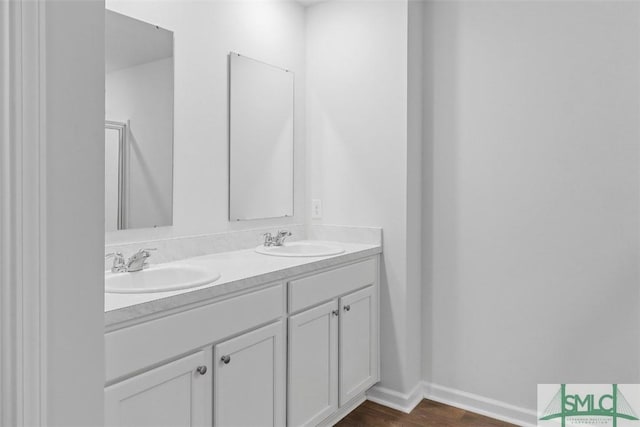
x,y
347,307
335,312
201,370
226,359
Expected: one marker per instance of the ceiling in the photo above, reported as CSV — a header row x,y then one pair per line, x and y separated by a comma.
x,y
306,3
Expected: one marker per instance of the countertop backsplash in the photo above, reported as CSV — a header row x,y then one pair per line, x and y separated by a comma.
x,y
178,248
345,234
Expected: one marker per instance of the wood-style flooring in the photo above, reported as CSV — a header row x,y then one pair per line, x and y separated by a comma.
x,y
428,413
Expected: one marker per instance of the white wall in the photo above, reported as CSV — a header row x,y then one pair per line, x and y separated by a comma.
x,y
204,34
142,96
74,212
358,155
531,195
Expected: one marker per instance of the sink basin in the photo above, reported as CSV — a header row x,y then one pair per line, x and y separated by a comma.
x,y
159,278
301,249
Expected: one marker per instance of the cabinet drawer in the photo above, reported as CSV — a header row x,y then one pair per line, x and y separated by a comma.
x,y
315,289
135,348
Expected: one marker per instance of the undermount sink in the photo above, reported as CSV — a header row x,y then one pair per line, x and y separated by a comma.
x,y
159,278
300,249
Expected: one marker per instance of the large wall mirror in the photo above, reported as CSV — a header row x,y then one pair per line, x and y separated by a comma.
x,y
139,124
260,140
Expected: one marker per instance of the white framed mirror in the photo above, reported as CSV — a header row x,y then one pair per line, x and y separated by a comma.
x,y
260,139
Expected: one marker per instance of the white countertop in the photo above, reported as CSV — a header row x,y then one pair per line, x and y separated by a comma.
x,y
240,270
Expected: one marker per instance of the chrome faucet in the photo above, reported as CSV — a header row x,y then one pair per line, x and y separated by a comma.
x,y
281,237
278,239
136,262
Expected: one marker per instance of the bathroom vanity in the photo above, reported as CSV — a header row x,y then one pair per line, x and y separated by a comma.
x,y
270,336
276,341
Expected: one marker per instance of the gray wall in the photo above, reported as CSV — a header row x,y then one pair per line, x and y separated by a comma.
x,y
531,193
74,212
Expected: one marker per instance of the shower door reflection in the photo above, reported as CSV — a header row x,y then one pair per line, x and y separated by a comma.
x,y
115,135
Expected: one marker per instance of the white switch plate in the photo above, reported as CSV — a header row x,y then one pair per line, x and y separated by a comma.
x,y
316,208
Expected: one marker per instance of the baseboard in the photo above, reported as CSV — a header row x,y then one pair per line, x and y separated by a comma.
x,y
480,405
492,408
404,402
343,411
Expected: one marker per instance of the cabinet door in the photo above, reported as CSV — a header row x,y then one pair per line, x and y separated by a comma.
x,y
313,365
175,394
358,343
250,379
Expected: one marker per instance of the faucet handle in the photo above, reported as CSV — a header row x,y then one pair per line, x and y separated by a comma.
x,y
282,235
118,261
117,256
145,254
268,239
113,254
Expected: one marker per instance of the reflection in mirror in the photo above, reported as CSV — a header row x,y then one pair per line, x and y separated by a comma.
x,y
114,139
139,124
260,140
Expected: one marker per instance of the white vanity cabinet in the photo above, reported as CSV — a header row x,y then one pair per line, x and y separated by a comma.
x,y
180,392
286,354
358,343
248,390
175,394
249,372
313,365
333,347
